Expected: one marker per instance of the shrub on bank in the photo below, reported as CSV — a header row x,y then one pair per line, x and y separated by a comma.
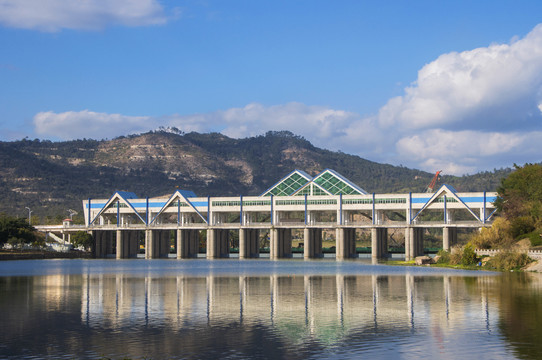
x,y
465,256
508,260
495,237
443,257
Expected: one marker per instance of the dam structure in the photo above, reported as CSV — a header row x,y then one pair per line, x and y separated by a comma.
x,y
298,202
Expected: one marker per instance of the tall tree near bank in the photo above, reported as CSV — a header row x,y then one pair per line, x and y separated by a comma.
x,y
519,203
15,228
520,195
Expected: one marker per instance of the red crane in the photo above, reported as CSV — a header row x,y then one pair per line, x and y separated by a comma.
x,y
433,182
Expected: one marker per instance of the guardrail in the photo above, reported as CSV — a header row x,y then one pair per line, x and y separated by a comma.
x,y
533,254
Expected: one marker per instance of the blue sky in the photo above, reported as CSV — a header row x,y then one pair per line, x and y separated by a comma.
x,y
453,86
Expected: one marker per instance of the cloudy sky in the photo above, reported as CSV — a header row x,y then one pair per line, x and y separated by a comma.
x,y
453,86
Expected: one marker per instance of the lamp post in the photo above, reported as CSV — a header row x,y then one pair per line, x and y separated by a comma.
x,y
29,215
72,213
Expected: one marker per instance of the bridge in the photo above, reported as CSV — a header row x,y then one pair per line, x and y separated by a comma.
x,y
297,202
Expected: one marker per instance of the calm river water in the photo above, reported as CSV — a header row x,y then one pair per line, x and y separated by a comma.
x,y
291,309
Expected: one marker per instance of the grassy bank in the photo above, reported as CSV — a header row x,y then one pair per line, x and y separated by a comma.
x,y
42,254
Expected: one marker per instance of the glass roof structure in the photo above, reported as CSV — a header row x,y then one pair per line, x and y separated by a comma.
x,y
328,182
289,184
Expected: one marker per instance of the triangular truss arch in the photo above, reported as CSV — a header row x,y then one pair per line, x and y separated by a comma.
x,y
119,197
289,184
446,190
177,196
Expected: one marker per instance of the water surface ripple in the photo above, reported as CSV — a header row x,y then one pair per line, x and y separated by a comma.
x,y
286,309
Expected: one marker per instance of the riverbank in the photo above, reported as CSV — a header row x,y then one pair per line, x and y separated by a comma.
x,y
534,266
42,254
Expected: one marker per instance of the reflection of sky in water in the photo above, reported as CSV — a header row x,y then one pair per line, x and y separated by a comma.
x,y
255,308
203,267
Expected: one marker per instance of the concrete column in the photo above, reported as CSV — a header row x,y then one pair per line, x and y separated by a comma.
x,y
446,238
110,243
149,244
97,244
194,240
102,240
273,244
312,243
243,251
416,242
165,243
217,243
408,256
134,244
413,242
345,243
339,244
120,245
379,242
181,244
104,243
249,246
374,244
281,243
224,243
383,242
187,243
286,243
420,242
449,237
211,254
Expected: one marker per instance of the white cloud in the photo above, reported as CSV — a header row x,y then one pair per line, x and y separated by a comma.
x,y
88,124
54,15
469,111
497,86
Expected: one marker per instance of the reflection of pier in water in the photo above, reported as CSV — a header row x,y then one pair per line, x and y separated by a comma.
x,y
323,307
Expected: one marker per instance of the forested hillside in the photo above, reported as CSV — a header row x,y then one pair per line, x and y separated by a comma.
x,y
51,177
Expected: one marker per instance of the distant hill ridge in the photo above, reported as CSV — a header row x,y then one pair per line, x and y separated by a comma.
x,y
51,177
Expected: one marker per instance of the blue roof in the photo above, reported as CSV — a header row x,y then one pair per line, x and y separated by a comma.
x,y
449,187
187,193
127,194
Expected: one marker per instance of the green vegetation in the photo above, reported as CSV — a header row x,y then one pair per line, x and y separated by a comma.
x,y
465,258
520,206
52,177
16,231
508,260
83,239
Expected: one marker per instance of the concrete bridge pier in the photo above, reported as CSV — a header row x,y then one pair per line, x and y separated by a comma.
x,y
379,242
281,243
187,243
345,243
312,243
156,244
217,243
127,244
413,242
103,243
449,237
249,243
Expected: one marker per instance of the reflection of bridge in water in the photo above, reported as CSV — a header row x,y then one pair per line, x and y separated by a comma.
x,y
322,307
297,202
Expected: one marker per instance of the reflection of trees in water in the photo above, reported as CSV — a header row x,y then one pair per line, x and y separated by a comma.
x,y
520,298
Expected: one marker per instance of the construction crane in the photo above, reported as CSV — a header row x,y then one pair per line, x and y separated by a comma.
x,y
433,182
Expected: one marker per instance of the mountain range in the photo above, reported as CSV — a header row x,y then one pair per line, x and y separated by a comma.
x,y
52,177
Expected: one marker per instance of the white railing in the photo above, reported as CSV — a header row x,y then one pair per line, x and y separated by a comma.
x,y
533,254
